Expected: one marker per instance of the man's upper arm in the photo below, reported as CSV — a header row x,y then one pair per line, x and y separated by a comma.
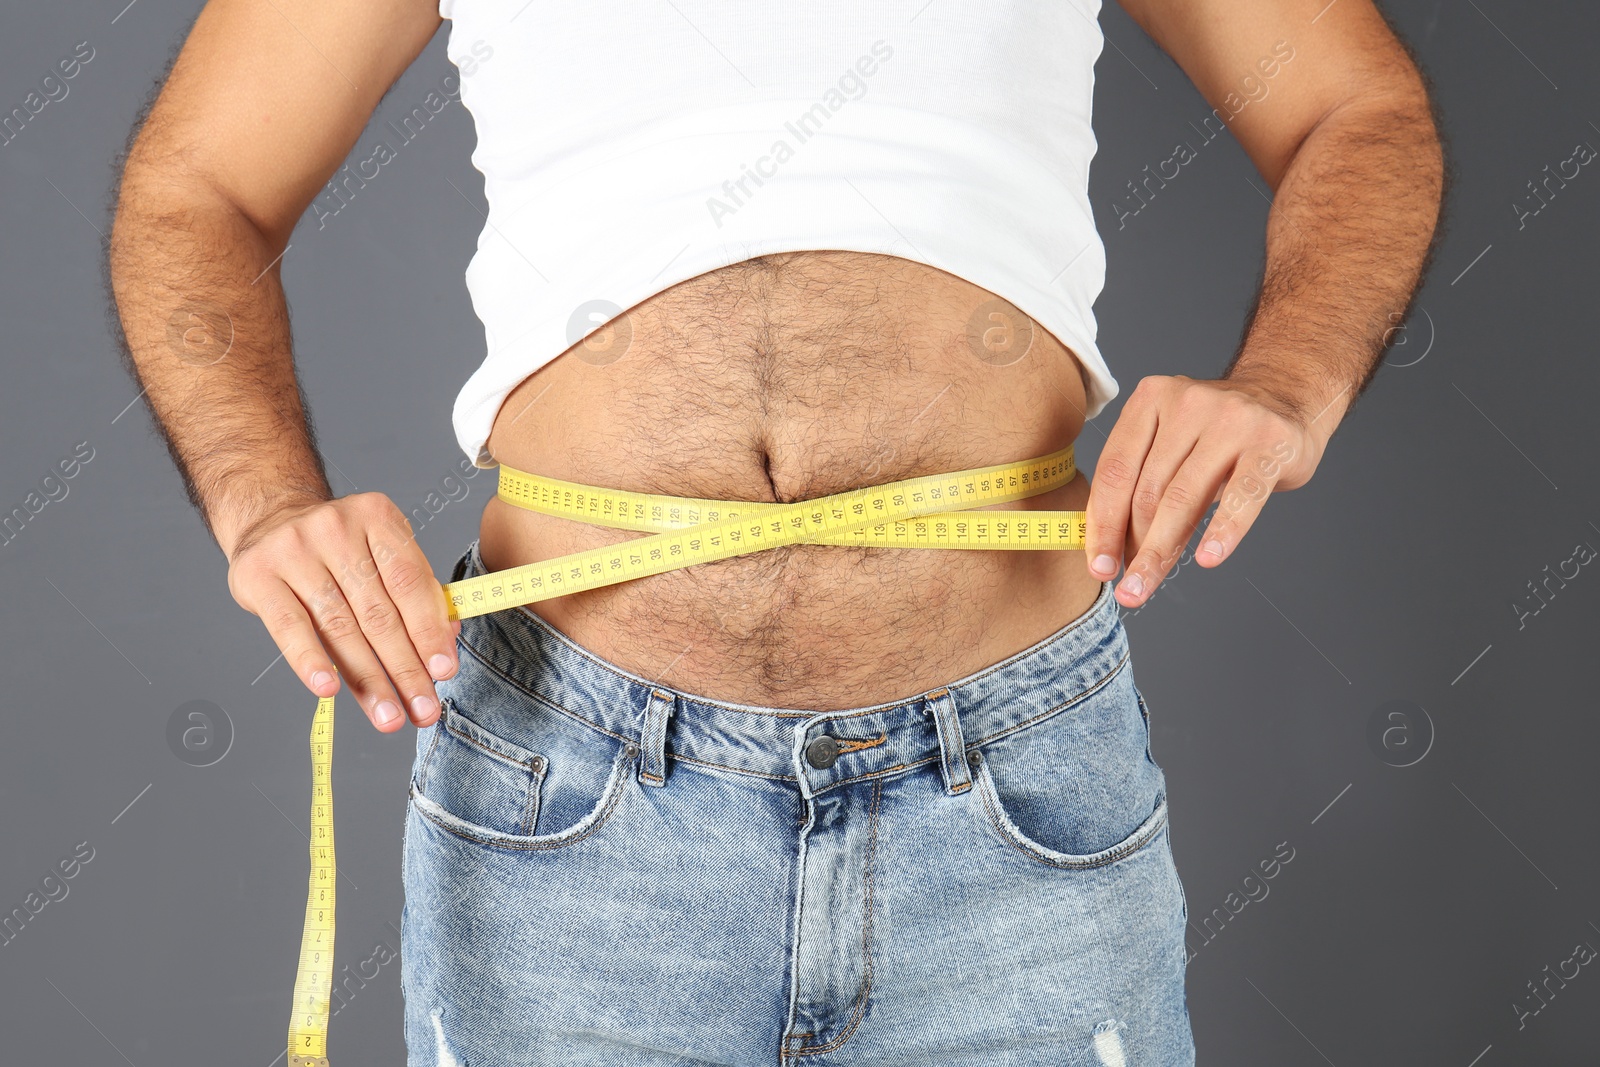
x,y
267,98
1235,52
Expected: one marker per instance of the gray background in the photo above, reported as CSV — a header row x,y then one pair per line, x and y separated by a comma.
x,y
1420,899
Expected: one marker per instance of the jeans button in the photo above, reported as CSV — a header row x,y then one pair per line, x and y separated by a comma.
x,y
822,751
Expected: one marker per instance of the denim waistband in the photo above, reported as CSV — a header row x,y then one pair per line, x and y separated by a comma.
x,y
945,725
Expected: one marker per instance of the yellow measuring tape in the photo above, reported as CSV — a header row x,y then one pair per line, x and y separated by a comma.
x,y
313,978
924,512
932,511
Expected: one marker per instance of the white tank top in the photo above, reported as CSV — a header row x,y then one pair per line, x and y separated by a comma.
x,y
627,147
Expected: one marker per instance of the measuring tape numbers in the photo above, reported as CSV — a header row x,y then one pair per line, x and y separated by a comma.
x,y
313,977
931,511
923,512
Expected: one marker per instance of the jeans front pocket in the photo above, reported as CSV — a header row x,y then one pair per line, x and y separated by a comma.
x,y
1076,788
480,786
479,777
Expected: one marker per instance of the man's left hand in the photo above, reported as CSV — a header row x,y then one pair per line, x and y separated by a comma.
x,y
1180,445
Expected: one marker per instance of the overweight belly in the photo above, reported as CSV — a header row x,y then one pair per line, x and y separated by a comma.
x,y
780,379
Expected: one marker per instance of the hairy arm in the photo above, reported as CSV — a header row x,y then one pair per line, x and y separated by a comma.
x,y
250,124
1343,133
264,101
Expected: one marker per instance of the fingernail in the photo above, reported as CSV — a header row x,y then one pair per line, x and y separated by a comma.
x,y
320,679
1104,565
423,706
439,665
387,712
1212,547
1133,585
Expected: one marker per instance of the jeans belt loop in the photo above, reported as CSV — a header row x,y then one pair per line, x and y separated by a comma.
x,y
653,737
952,746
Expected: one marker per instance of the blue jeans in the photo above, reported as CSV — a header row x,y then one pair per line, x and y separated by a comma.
x,y
601,869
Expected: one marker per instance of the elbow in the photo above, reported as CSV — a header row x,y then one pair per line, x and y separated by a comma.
x,y
1399,109
1395,125
164,209
167,189
153,193
1410,122
1412,109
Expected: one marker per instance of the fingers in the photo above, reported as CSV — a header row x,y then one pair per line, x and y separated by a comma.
x,y
343,583
380,637
1183,501
1179,446
292,630
1241,502
429,637
1169,452
340,626
1116,476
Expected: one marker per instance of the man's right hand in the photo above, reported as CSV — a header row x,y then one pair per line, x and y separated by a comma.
x,y
343,582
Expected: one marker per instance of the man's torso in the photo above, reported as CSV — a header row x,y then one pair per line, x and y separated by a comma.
x,y
785,378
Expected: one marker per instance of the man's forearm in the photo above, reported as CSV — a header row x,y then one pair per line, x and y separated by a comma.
x,y
1348,237
207,330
